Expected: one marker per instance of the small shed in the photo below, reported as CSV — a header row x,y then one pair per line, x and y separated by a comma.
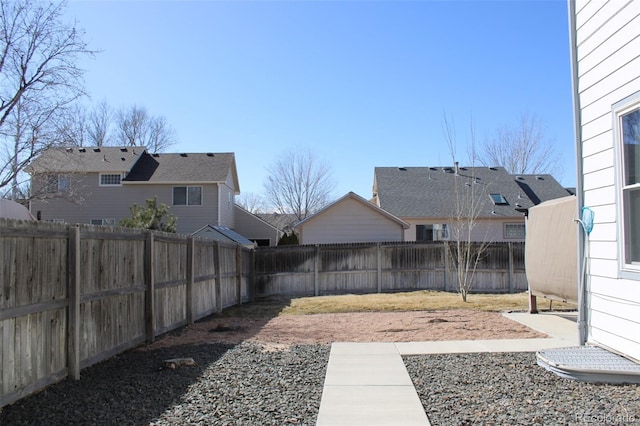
x,y
351,219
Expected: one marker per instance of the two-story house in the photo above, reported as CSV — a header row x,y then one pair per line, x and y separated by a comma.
x,y
99,185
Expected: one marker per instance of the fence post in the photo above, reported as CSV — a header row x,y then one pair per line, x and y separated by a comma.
x,y
190,277
239,273
73,336
379,267
218,288
316,264
511,275
445,247
149,268
251,290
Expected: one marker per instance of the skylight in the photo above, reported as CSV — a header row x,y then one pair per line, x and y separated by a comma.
x,y
498,199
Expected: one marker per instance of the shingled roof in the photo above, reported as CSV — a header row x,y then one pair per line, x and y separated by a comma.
x,y
86,160
418,192
138,165
171,168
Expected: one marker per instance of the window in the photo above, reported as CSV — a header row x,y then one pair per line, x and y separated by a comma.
x,y
498,199
110,179
104,222
57,183
187,195
435,232
514,230
628,135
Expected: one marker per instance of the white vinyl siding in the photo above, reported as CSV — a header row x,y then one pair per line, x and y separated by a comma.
x,y
608,70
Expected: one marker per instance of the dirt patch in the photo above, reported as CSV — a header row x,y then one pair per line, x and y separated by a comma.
x,y
352,327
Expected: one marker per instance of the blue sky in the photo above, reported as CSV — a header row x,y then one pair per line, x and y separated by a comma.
x,y
363,83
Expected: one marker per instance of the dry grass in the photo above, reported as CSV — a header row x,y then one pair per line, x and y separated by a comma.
x,y
387,302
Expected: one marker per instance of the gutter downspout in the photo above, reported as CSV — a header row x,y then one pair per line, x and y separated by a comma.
x,y
582,290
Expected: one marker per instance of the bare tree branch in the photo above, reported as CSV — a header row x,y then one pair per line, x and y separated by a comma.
x,y
521,149
299,183
39,78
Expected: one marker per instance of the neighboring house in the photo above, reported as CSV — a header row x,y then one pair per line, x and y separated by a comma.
x,y
256,229
425,198
99,185
605,40
284,222
350,219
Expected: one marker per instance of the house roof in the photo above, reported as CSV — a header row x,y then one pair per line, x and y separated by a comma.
x,y
281,221
356,197
187,167
141,166
541,188
223,233
418,192
86,160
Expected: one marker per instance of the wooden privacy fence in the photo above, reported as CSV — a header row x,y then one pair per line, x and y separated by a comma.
x,y
71,296
381,267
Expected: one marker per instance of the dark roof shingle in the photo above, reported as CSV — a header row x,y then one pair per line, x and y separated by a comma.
x,y
418,192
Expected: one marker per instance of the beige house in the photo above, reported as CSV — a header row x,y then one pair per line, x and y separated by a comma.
x,y
430,198
99,185
350,219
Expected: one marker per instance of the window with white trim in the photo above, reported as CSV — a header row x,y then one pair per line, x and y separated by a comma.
x,y
110,179
514,230
628,141
187,195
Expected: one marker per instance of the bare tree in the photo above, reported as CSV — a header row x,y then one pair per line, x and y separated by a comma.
x,y
251,202
99,124
470,195
38,78
299,183
521,149
135,127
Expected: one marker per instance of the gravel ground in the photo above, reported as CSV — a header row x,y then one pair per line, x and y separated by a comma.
x,y
231,385
247,384
511,389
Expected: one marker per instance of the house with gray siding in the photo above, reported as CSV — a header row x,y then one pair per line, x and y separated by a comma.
x,y
98,185
605,43
429,198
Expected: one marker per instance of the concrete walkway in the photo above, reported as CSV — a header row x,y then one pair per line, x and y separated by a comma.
x,y
368,384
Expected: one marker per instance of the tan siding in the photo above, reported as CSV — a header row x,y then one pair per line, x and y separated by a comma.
x,y
96,202
350,221
485,230
252,227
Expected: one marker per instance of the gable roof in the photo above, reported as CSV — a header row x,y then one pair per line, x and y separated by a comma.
x,y
359,199
138,165
86,160
187,167
418,192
